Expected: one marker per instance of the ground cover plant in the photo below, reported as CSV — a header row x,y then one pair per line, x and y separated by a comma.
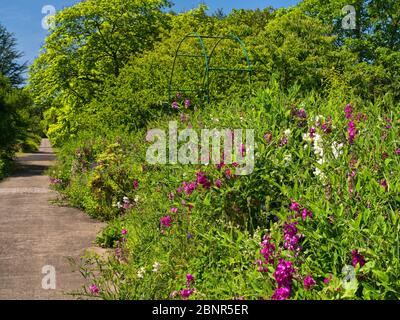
x,y
317,218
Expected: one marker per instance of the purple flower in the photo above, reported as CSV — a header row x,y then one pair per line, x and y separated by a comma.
x,y
306,213
267,251
357,258
189,279
94,289
202,179
171,196
348,110
312,132
291,237
189,187
283,141
174,210
268,137
228,173
124,231
302,114
281,293
179,95
186,293
135,184
218,183
308,282
384,184
284,273
397,151
189,236
175,105
166,221
187,103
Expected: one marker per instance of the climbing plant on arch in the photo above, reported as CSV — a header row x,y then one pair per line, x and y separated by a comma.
x,y
207,57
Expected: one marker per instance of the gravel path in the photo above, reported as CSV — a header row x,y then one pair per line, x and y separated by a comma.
x,y
35,233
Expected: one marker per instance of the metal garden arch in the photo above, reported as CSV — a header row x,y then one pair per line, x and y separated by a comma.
x,y
207,57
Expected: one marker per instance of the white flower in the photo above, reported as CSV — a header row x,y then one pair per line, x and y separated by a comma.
x,y
141,272
136,198
287,132
288,158
337,149
318,146
156,266
306,137
118,205
125,199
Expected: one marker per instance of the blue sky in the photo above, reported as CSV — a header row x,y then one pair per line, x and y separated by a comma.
x,y
24,17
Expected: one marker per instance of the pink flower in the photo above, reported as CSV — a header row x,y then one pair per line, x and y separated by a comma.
x,y
218,183
166,221
328,279
352,131
397,151
187,103
174,210
135,184
384,184
228,173
171,196
306,213
124,232
295,206
94,289
283,141
308,282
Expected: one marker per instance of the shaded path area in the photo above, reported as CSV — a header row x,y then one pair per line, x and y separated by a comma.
x,y
34,233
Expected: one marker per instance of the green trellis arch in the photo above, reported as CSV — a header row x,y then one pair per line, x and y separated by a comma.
x,y
205,87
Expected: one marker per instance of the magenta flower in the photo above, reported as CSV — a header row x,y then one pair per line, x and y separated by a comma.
x,y
281,294
187,103
124,232
242,150
135,184
306,213
189,279
348,110
228,173
189,187
267,251
174,210
186,293
171,196
166,221
94,289
397,151
218,183
295,206
328,279
291,237
308,282
284,273
357,258
352,131
202,179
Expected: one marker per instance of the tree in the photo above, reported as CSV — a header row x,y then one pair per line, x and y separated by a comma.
x,y
9,66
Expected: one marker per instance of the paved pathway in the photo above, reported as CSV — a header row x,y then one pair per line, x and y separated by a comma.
x,y
35,233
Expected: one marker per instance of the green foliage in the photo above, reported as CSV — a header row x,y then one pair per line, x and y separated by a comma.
x,y
100,102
